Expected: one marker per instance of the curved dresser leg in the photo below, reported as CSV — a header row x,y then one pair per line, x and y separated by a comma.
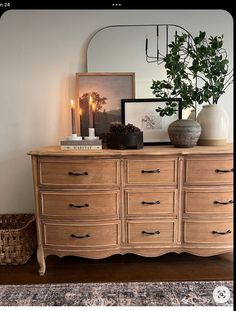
x,y
41,260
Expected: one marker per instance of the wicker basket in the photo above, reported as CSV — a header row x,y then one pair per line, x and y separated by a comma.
x,y
17,238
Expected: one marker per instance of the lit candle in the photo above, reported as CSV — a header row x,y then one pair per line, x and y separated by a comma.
x,y
73,116
90,112
94,109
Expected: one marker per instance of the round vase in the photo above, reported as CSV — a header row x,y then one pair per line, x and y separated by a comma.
x,y
184,133
214,123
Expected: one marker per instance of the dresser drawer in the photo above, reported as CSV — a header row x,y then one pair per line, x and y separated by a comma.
x,y
209,201
157,172
83,204
149,203
209,171
78,235
87,172
208,232
140,232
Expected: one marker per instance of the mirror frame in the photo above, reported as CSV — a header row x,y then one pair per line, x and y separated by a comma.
x,y
137,25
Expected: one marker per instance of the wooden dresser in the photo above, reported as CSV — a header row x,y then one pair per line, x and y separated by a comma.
x,y
160,199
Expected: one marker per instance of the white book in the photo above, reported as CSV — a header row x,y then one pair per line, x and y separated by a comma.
x,y
94,142
96,147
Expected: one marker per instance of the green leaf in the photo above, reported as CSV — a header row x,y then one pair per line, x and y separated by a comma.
x,y
204,60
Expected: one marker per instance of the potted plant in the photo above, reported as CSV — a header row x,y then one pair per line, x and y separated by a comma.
x,y
197,71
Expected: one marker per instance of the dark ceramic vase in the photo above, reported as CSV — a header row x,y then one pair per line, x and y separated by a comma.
x,y
184,133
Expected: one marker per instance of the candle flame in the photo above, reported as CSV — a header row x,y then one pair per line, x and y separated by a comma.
x,y
80,112
72,104
94,106
90,100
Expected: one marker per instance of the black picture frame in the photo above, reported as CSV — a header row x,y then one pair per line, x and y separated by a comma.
x,y
141,113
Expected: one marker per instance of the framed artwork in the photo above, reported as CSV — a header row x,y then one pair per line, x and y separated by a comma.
x,y
142,113
99,97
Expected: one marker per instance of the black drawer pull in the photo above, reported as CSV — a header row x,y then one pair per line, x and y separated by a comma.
x,y
151,171
80,236
224,203
77,173
224,171
78,206
151,233
222,233
151,203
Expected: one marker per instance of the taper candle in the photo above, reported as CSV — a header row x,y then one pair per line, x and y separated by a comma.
x,y
79,121
73,116
94,109
90,110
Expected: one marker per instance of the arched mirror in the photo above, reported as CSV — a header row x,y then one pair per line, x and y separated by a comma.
x,y
133,48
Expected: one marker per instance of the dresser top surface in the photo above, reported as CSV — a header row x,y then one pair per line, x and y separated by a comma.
x,y
147,150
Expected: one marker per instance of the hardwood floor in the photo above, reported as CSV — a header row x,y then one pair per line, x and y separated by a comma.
x,y
118,268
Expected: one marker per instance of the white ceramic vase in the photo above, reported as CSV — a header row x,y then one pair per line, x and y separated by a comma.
x,y
214,123
192,115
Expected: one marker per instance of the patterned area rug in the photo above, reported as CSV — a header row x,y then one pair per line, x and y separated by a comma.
x,y
115,294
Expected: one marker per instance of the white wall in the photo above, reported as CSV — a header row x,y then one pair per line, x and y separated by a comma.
x,y
40,52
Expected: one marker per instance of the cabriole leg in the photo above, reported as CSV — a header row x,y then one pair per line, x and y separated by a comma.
x,y
41,260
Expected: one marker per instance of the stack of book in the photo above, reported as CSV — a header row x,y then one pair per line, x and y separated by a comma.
x,y
93,144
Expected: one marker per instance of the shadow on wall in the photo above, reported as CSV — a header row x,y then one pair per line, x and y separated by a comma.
x,y
16,185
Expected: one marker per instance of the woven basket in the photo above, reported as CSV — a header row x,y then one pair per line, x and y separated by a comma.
x,y
17,238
